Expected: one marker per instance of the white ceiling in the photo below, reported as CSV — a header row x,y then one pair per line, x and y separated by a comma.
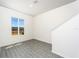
x,y
40,7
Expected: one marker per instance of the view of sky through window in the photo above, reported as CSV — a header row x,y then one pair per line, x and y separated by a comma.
x,y
14,22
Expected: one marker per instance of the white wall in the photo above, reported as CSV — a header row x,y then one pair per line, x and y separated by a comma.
x,y
44,23
65,39
5,27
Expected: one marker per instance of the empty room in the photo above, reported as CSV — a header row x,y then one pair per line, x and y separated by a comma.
x,y
39,28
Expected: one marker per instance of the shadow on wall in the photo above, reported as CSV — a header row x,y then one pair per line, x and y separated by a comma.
x,y
63,23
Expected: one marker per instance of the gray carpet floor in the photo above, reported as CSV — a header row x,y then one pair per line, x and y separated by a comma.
x,y
29,49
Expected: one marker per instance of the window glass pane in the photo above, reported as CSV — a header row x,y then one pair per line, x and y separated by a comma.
x,y
14,30
21,22
14,23
21,26
21,30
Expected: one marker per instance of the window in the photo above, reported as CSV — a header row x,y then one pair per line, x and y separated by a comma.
x,y
17,26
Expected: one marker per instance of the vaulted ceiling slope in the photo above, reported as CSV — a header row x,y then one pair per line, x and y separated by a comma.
x,y
33,7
